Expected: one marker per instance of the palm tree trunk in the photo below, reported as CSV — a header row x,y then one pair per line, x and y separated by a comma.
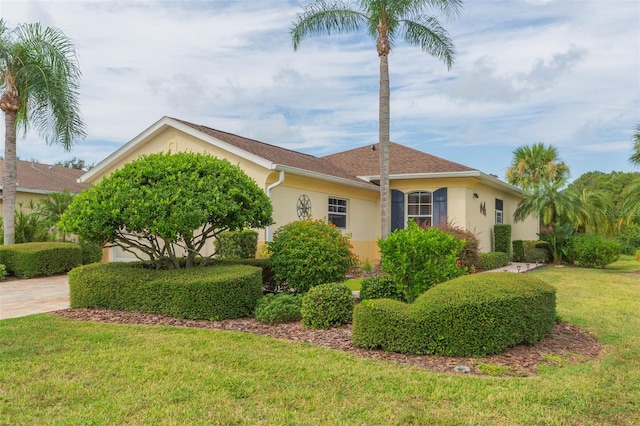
x,y
9,177
384,117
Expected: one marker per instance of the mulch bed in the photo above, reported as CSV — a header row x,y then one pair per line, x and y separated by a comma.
x,y
567,343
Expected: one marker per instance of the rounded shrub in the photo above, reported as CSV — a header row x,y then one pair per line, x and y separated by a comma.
x,y
279,308
493,260
380,287
310,252
592,251
326,306
473,315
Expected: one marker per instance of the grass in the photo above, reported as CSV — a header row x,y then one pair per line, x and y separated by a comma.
x,y
354,284
57,371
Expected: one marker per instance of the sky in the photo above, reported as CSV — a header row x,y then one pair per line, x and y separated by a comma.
x,y
560,72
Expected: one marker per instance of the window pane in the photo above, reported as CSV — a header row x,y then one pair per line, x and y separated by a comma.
x,y
414,210
338,220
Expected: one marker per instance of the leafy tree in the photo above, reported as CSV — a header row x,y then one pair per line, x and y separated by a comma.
x,y
630,210
75,163
613,186
39,79
386,21
635,157
52,208
536,165
168,205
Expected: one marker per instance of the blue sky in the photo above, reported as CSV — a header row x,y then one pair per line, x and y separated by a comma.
x,y
562,72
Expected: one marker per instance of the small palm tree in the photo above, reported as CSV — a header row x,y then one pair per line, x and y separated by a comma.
x,y
52,207
535,165
635,157
39,79
385,21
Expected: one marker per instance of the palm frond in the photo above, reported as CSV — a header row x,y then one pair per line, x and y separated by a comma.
x,y
431,37
323,17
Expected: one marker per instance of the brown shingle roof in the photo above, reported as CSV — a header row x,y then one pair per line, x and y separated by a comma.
x,y
403,160
277,155
46,178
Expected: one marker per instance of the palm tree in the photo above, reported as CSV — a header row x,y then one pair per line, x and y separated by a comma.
x,y
39,79
52,207
635,157
535,165
597,215
384,21
630,210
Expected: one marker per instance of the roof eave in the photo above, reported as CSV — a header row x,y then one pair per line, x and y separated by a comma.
x,y
326,178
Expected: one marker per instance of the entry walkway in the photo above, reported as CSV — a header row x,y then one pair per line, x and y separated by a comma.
x,y
25,297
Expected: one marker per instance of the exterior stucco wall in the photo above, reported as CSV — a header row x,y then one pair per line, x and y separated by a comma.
x,y
24,198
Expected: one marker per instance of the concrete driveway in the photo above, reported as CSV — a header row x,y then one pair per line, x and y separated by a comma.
x,y
25,297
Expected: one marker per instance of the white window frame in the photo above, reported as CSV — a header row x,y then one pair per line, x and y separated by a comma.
x,y
420,206
335,208
500,214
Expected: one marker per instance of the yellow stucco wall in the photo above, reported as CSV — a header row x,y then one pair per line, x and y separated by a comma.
x,y
24,198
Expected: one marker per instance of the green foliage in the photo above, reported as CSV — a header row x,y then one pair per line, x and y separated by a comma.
x,y
269,284
592,251
502,237
213,293
469,254
629,239
310,252
91,252
279,308
237,244
493,260
557,240
637,255
380,287
416,258
3,272
613,185
473,315
52,208
30,227
164,204
30,260
535,165
326,306
518,250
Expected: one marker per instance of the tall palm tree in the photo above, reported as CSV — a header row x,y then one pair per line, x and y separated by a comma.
x,y
630,210
39,79
535,164
385,21
635,157
596,216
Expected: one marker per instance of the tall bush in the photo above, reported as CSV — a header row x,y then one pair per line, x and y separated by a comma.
x,y
629,239
416,258
310,252
237,244
592,251
469,255
502,237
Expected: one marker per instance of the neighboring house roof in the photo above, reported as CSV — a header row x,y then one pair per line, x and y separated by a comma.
x,y
41,178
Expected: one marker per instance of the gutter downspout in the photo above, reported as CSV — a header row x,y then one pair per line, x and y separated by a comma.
x,y
269,188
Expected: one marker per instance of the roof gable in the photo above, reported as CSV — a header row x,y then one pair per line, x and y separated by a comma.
x,y
45,178
365,161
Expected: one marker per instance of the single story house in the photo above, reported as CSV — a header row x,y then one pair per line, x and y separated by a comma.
x,y
36,181
342,187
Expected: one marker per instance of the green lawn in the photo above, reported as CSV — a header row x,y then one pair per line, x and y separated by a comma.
x,y
57,371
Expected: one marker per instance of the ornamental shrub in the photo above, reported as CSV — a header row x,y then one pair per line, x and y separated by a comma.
x,y
629,239
473,315
469,254
30,260
163,205
415,258
502,237
493,260
518,250
3,272
592,251
237,244
310,252
214,292
380,287
90,252
326,306
279,308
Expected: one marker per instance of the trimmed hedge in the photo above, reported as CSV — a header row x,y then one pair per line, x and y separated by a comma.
x,y
30,260
473,315
530,251
502,237
279,308
269,283
493,260
237,244
380,287
592,251
326,306
213,293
